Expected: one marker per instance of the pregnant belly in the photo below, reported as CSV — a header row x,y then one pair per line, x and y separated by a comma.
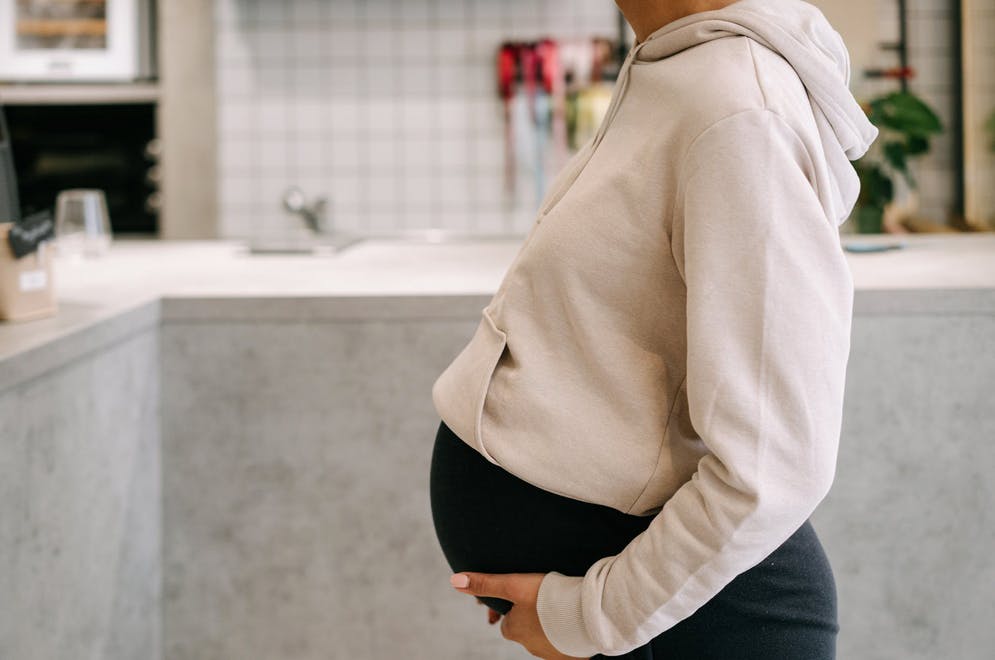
x,y
489,520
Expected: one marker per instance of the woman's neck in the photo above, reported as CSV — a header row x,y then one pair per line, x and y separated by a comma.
x,y
647,16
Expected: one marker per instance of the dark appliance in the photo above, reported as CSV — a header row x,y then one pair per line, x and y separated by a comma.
x,y
10,208
110,147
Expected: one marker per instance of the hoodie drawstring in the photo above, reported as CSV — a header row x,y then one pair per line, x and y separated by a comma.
x,y
623,83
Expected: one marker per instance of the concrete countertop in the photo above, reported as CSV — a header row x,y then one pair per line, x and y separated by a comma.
x,y
139,283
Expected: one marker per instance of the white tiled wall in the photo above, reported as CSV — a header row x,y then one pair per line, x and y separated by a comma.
x,y
930,51
931,55
387,107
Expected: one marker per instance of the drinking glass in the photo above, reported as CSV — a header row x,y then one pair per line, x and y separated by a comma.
x,y
82,224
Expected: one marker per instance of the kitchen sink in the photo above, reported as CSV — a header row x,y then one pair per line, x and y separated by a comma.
x,y
336,243
322,244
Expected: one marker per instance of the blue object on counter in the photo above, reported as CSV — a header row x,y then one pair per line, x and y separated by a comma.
x,y
873,247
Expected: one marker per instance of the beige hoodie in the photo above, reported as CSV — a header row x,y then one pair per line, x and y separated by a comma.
x,y
672,336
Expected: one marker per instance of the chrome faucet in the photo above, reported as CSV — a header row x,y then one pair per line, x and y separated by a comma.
x,y
313,213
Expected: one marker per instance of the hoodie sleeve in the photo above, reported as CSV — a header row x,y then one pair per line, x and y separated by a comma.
x,y
769,303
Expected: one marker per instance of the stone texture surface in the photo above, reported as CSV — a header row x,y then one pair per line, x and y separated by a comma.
x,y
293,517
935,272
297,515
909,525
80,508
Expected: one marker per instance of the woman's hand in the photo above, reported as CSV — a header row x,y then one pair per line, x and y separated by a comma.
x,y
521,623
492,616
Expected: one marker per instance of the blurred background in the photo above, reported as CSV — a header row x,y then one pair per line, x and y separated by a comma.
x,y
396,112
239,240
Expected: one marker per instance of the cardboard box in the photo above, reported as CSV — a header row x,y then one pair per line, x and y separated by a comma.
x,y
27,290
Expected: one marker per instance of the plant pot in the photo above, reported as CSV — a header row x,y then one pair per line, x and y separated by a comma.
x,y
904,205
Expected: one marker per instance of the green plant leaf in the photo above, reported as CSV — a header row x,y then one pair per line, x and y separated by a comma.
x,y
870,219
894,153
916,144
906,124
876,187
905,112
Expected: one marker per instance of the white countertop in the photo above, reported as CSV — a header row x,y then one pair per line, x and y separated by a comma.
x,y
934,271
138,270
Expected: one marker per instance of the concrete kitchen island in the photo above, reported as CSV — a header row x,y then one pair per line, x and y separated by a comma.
x,y
212,454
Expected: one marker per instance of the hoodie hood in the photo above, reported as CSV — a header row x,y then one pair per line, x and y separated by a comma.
x,y
800,33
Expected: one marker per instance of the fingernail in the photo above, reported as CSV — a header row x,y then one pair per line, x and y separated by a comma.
x,y
459,580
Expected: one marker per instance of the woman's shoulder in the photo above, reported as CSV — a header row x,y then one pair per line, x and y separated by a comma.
x,y
719,78
702,84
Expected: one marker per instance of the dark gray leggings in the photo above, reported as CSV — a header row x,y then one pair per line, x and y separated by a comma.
x,y
489,520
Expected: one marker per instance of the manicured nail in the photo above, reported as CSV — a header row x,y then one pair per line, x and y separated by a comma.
x,y
459,580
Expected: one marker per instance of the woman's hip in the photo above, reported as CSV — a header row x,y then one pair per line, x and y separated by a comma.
x,y
785,607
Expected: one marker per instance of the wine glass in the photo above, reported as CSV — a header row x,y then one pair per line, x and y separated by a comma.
x,y
82,224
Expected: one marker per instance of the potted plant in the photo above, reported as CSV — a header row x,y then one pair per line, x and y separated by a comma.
x,y
905,125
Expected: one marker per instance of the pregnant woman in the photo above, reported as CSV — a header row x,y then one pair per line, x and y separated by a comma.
x,y
649,409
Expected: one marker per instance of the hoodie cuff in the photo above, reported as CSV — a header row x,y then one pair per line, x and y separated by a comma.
x,y
558,605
